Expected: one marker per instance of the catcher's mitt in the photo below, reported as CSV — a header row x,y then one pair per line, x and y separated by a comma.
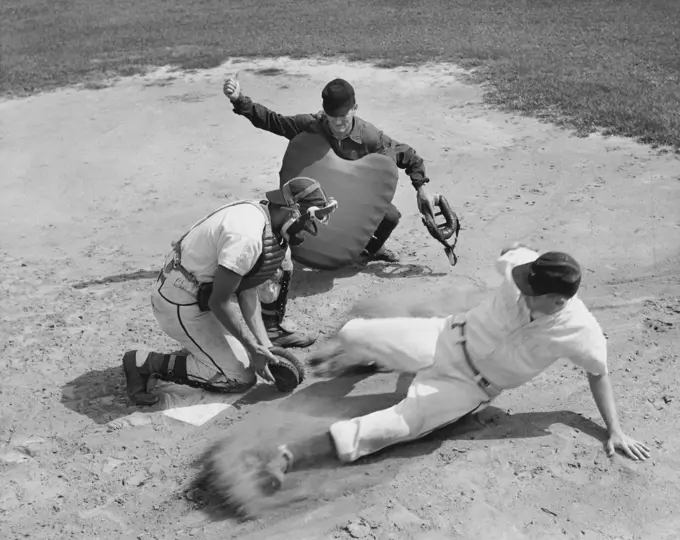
x,y
442,232
289,372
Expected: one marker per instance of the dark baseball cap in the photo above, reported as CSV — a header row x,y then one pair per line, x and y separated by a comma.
x,y
552,273
301,190
338,97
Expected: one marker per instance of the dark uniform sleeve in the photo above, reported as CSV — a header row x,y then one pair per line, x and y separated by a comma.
x,y
404,156
263,118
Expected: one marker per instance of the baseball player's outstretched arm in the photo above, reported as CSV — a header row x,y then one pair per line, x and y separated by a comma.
x,y
405,157
249,302
262,117
225,284
601,387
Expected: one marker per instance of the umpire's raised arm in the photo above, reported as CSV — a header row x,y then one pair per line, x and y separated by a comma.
x,y
262,117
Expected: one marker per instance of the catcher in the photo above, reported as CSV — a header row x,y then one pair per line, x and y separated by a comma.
x,y
464,361
351,138
208,286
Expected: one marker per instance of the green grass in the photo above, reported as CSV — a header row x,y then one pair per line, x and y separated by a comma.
x,y
612,64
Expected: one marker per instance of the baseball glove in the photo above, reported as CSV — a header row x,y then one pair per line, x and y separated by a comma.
x,y
442,232
289,372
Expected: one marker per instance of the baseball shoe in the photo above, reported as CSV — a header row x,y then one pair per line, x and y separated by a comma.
x,y
382,255
137,375
275,470
281,337
245,480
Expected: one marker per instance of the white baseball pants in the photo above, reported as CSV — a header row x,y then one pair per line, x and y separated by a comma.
x,y
213,351
442,392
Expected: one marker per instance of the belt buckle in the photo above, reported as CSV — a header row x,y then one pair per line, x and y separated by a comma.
x,y
461,325
481,380
458,321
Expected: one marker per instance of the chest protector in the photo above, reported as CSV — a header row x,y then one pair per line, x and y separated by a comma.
x,y
273,254
363,187
273,249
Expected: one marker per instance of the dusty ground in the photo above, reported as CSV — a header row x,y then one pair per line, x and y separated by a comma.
x,y
96,183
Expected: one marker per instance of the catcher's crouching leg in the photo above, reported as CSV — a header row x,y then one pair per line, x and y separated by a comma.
x,y
143,368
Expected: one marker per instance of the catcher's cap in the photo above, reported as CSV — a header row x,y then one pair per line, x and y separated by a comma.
x,y
302,191
338,97
551,273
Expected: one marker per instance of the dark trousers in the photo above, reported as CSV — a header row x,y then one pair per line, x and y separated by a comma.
x,y
384,230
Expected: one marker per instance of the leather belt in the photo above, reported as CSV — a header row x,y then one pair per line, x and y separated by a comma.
x,y
480,379
161,277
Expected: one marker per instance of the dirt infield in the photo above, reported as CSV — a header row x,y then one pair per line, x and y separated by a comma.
x,y
97,183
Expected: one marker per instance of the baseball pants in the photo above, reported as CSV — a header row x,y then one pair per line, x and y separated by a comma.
x,y
442,392
213,353
384,230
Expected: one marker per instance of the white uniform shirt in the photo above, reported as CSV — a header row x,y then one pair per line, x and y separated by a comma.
x,y
232,238
510,349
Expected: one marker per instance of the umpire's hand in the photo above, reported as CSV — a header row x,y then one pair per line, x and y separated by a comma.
x,y
232,89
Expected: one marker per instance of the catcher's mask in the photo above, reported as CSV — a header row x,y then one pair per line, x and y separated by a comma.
x,y
299,223
308,206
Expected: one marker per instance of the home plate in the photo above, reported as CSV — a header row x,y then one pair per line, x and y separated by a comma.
x,y
196,415
192,406
188,405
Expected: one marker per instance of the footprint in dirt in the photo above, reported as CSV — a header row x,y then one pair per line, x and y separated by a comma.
x,y
658,325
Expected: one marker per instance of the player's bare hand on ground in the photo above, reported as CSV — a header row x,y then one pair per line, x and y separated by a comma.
x,y
232,89
635,450
262,357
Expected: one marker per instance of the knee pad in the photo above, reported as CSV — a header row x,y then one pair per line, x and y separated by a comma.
x,y
393,215
274,305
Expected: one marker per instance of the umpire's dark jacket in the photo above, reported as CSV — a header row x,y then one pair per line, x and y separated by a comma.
x,y
363,139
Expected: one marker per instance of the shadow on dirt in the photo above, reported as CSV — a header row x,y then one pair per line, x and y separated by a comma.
x,y
329,398
99,395
306,281
309,412
326,480
118,278
310,282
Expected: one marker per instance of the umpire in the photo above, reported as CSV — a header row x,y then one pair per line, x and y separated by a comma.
x,y
350,137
